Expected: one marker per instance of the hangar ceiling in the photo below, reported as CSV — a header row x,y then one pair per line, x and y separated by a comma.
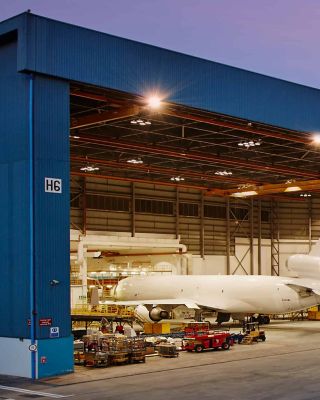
x,y
118,136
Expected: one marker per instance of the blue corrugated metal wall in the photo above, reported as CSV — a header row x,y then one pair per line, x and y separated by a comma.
x,y
52,235
14,200
51,211
83,55
78,54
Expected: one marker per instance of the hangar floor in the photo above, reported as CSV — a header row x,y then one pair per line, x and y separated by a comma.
x,y
285,366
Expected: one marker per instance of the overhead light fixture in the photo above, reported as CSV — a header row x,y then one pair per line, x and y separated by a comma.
x,y
245,194
249,143
305,195
316,138
290,181
139,121
89,168
223,173
292,189
245,186
135,161
177,178
154,102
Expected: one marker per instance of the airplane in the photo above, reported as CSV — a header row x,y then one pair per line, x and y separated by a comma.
x,y
228,295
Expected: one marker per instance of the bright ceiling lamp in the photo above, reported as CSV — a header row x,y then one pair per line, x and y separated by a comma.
x,y
89,168
249,143
135,161
292,189
245,194
305,195
316,138
154,102
223,173
177,178
140,122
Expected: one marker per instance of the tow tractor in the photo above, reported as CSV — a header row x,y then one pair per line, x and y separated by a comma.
x,y
199,337
253,331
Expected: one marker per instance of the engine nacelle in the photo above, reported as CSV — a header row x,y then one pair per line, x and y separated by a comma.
x,y
156,314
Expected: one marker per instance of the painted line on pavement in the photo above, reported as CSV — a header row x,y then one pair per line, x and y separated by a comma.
x,y
34,392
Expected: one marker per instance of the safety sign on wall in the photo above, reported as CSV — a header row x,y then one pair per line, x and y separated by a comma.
x,y
54,332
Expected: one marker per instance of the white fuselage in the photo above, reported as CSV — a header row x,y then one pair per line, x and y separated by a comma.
x,y
232,294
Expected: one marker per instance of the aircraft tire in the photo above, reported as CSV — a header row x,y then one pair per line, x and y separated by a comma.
x,y
266,320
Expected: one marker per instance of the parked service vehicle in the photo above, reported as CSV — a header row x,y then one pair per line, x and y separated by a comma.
x,y
253,330
208,341
199,337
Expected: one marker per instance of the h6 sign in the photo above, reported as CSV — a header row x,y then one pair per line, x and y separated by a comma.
x,y
53,185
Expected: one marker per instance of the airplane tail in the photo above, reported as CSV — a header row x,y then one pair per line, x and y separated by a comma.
x,y
306,265
315,251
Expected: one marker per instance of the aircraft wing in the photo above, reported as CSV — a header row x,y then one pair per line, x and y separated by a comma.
x,y
304,290
187,302
216,305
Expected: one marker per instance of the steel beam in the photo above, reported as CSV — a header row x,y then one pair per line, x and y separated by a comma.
x,y
259,237
177,153
202,248
228,235
133,209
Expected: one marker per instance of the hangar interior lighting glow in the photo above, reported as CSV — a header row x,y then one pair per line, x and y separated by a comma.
x,y
292,189
245,194
250,143
154,102
89,168
177,178
140,121
135,161
223,173
316,138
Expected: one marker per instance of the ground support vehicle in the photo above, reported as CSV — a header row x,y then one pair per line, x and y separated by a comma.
x,y
208,341
253,333
199,337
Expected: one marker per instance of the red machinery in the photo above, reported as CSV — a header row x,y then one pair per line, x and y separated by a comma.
x,y
199,337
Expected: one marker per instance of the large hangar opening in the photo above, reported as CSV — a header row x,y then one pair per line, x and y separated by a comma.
x,y
173,189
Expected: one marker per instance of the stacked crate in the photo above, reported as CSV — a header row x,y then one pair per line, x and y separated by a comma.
x,y
119,349
137,350
167,350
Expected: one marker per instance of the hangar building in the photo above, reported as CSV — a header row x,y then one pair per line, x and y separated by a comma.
x,y
218,179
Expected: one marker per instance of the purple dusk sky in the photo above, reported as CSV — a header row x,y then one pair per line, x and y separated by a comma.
x,y
273,37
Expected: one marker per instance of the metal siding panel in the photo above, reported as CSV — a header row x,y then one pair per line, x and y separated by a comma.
x,y
51,135
14,201
59,356
83,55
18,23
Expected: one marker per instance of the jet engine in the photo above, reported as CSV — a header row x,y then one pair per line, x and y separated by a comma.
x,y
156,314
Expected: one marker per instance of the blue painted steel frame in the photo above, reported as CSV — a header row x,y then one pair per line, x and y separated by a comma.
x,y
77,54
31,225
